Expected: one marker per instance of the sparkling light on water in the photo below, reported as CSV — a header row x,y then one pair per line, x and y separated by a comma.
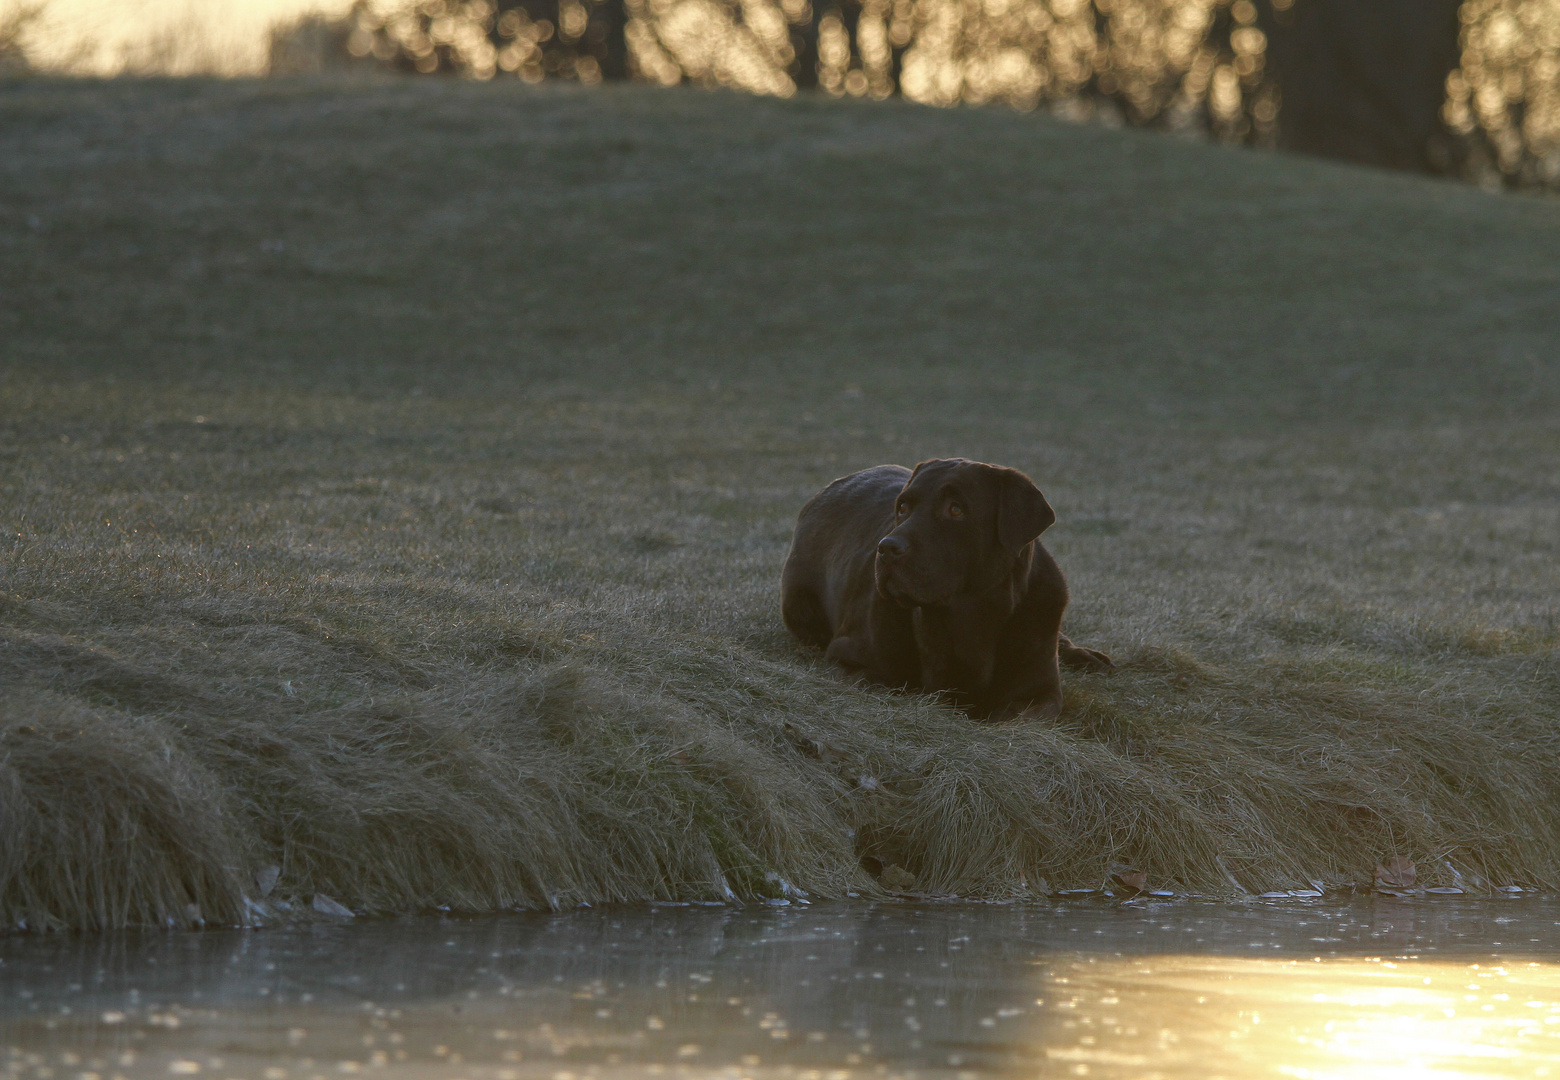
x,y
1325,1018
835,992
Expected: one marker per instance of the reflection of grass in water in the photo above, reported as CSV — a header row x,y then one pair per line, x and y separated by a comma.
x,y
396,480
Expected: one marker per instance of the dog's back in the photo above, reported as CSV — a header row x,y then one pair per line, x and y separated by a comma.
x,y
832,550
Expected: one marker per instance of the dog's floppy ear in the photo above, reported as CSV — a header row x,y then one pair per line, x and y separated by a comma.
x,y
1022,512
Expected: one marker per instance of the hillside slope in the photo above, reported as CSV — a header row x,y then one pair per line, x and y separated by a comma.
x,y
394,478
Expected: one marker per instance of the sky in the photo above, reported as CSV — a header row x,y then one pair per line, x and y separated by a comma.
x,y
108,37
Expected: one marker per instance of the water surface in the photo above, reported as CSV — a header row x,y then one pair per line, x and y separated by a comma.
x,y
1378,988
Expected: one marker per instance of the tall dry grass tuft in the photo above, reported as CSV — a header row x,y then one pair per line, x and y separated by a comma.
x,y
554,761
108,822
553,784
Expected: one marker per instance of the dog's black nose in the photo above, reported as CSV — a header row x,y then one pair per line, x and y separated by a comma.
x,y
892,547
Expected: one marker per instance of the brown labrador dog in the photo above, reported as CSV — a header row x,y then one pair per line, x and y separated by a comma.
x,y
935,580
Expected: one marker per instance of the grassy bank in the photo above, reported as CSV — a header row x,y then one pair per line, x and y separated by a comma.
x,y
394,479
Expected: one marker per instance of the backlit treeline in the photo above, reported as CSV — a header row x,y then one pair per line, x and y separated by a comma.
x,y
1179,62
1505,95
1201,65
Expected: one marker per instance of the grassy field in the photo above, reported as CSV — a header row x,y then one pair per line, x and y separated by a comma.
x,y
395,476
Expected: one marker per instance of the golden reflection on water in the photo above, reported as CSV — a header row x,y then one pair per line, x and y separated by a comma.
x,y
1335,1018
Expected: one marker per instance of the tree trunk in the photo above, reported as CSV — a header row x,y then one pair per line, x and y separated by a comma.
x,y
605,38
804,42
1364,80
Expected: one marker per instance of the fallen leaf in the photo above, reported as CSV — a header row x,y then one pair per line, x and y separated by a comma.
x,y
265,879
821,749
1129,878
1397,874
896,877
326,906
680,756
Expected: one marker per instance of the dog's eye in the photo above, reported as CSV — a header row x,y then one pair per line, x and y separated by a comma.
x,y
901,510
955,511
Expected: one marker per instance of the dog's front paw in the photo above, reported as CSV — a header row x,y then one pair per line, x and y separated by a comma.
x,y
1077,658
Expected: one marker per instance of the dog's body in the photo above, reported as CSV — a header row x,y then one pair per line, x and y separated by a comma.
x,y
936,580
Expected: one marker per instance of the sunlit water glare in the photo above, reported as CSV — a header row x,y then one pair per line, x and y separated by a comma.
x,y
836,992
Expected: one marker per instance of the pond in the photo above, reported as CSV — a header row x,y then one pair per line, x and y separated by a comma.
x,y
1378,987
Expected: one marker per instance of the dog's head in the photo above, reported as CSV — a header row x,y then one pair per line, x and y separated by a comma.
x,y
958,528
